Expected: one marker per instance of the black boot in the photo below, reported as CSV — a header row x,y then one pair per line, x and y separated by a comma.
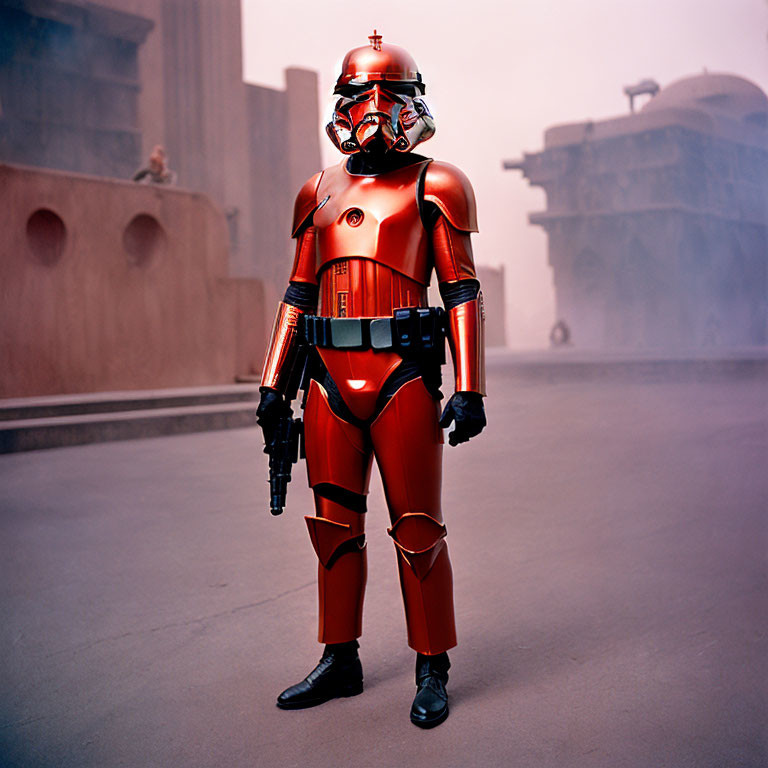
x,y
430,707
339,673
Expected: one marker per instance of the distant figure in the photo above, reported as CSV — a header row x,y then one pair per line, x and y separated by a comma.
x,y
157,171
560,335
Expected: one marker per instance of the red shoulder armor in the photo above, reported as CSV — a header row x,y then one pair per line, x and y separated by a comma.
x,y
449,189
306,203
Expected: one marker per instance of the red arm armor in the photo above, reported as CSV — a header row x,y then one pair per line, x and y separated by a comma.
x,y
281,351
450,190
306,203
304,269
466,336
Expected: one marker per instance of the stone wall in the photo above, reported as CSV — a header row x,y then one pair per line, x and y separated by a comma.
x,y
109,285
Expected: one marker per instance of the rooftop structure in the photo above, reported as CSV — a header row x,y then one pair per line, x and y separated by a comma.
x,y
658,220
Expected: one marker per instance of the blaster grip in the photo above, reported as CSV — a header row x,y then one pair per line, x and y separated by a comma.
x,y
283,454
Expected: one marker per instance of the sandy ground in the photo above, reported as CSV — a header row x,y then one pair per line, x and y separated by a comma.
x,y
608,539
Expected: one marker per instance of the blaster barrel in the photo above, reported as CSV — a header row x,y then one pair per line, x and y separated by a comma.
x,y
283,454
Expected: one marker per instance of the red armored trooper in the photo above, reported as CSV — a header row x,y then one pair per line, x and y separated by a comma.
x,y
370,231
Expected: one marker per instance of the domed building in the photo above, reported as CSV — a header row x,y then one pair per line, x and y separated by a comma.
x,y
734,98
658,220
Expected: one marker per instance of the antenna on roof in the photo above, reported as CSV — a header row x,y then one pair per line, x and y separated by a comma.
x,y
646,86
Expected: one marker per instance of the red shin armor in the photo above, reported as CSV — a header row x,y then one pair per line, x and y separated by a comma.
x,y
370,243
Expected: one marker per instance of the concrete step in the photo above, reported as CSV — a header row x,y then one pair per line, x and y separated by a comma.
x,y
51,422
131,400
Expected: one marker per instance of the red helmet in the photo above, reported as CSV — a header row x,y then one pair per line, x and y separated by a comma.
x,y
381,105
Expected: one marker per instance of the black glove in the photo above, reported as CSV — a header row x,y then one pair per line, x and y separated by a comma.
x,y
466,409
271,408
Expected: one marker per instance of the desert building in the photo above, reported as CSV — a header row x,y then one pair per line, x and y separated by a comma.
x,y
87,89
658,220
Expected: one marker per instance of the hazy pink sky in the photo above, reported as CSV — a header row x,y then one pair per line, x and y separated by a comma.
x,y
499,73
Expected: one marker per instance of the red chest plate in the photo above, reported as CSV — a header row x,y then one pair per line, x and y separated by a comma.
x,y
373,217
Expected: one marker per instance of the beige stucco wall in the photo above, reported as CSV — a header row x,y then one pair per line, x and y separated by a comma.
x,y
95,312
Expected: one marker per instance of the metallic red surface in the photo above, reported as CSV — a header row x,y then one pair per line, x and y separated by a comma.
x,y
418,537
387,62
341,591
338,539
329,537
407,441
336,451
449,189
465,336
378,218
390,232
304,270
281,352
365,288
359,376
306,203
452,252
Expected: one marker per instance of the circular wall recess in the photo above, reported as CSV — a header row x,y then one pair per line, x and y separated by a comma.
x,y
46,235
143,239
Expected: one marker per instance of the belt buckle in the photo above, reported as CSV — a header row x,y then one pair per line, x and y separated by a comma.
x,y
346,332
381,333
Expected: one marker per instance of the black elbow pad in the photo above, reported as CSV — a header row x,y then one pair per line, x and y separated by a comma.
x,y
303,296
459,292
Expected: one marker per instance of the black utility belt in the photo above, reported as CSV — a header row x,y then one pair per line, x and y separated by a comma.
x,y
408,330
